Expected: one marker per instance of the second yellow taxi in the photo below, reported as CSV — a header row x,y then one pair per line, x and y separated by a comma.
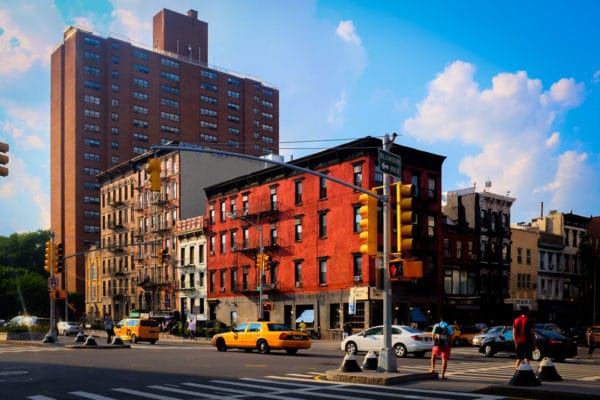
x,y
263,336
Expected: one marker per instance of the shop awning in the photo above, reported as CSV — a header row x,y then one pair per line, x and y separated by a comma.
x,y
307,316
416,315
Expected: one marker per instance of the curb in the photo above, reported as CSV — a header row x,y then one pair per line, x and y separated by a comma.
x,y
378,378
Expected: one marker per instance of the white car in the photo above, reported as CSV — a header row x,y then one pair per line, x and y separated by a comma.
x,y
67,328
494,331
404,340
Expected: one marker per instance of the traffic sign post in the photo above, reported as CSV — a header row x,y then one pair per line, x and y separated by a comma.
x,y
390,163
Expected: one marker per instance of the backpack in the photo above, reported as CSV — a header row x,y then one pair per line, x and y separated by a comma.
x,y
440,335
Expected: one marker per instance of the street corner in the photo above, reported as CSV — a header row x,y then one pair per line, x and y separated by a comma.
x,y
378,378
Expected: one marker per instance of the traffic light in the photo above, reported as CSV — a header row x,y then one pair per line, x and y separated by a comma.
x,y
396,269
153,169
48,257
260,259
3,159
160,256
368,224
266,262
55,258
60,257
405,218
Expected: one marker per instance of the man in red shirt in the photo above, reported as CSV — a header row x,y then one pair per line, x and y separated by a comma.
x,y
523,336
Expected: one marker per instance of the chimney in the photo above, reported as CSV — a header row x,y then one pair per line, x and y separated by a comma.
x,y
193,14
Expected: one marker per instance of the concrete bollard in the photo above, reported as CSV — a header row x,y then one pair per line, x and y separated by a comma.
x,y
524,376
370,361
349,364
547,372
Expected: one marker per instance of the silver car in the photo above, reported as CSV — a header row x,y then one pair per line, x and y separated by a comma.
x,y
67,328
404,340
494,331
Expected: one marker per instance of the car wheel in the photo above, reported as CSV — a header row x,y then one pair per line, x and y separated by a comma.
x,y
263,346
351,348
419,354
488,350
291,351
400,350
536,354
133,339
221,344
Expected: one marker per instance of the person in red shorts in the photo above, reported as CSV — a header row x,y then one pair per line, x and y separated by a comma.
x,y
523,336
441,348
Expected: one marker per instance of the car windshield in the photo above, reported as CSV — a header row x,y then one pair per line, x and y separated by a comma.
x,y
240,328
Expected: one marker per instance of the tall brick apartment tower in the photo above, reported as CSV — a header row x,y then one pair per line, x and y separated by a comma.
x,y
112,100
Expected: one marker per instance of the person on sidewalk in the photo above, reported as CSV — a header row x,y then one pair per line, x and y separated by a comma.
x,y
441,345
591,336
523,336
109,327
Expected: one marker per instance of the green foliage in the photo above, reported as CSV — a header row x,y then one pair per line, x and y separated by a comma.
x,y
22,292
24,250
24,328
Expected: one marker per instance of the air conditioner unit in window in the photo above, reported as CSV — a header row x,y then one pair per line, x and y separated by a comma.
x,y
298,284
357,278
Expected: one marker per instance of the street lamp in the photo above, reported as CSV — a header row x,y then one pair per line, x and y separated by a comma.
x,y
261,249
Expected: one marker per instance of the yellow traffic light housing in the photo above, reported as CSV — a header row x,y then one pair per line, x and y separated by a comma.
x,y
404,218
55,258
60,257
48,257
266,262
260,261
368,224
153,169
160,256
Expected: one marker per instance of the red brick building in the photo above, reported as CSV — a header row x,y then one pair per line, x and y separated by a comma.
x,y
111,100
310,230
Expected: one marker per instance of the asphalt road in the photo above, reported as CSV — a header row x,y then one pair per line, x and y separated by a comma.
x,y
57,372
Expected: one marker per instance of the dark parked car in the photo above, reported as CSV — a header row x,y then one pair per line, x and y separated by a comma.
x,y
547,344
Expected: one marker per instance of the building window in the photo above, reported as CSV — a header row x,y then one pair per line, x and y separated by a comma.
x,y
528,256
245,237
357,177
233,280
273,235
222,211
298,273
298,192
431,188
357,219
213,244
233,241
459,249
322,188
447,251
298,229
519,255
223,279
273,198
323,271
322,224
357,263
211,213
245,204
431,226
223,238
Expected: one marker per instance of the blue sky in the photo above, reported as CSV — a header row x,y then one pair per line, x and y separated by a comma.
x,y
508,91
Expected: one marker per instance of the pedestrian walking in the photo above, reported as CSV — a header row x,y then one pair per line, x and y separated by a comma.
x,y
302,326
441,345
523,336
109,327
591,337
347,329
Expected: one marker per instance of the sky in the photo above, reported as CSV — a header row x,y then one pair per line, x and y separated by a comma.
x,y
508,91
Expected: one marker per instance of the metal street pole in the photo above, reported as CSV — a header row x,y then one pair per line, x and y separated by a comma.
x,y
387,357
52,335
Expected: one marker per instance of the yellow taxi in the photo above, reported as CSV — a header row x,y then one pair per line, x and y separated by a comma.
x,y
137,330
263,336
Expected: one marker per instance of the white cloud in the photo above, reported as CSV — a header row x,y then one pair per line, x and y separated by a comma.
x,y
553,140
335,117
22,47
347,32
596,77
510,126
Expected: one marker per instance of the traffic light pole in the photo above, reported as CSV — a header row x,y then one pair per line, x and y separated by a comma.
x,y
52,333
387,358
